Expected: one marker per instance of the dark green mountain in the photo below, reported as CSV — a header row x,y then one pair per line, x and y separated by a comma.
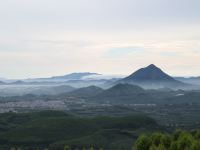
x,y
124,93
85,92
122,89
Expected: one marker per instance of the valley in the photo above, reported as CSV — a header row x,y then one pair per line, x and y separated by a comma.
x,y
61,114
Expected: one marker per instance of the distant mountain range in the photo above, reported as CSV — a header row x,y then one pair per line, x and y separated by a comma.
x,y
117,94
189,80
67,77
150,77
124,94
90,86
75,76
127,94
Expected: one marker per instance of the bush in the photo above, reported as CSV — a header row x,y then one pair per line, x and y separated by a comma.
x,y
143,143
179,140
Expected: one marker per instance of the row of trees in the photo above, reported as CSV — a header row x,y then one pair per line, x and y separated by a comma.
x,y
179,140
65,148
91,148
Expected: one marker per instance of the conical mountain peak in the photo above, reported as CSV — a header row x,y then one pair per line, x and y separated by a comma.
x,y
152,66
150,76
150,72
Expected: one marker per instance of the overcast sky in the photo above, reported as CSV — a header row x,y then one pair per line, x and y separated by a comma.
x,y
40,38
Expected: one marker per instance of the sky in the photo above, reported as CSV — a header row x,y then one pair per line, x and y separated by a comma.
x,y
41,38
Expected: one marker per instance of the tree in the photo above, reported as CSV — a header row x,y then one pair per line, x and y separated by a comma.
x,y
153,147
143,143
156,139
197,135
91,148
161,147
12,148
176,135
166,141
184,141
195,145
180,140
66,147
173,146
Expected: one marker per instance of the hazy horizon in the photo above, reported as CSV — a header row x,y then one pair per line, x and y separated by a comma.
x,y
96,75
50,38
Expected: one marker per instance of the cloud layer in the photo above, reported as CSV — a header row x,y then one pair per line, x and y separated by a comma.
x,y
44,38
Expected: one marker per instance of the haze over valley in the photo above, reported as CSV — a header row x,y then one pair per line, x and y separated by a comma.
x,y
171,102
100,75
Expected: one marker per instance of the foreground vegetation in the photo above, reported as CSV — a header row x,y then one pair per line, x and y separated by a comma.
x,y
179,140
54,129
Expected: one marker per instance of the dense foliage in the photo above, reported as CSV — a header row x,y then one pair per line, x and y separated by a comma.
x,y
66,147
54,129
179,140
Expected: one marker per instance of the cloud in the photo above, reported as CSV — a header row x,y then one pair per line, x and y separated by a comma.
x,y
48,37
119,52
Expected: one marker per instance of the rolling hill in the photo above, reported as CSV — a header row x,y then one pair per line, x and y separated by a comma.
x,y
85,92
124,94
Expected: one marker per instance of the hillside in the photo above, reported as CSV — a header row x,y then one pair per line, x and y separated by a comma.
x,y
54,129
124,93
85,92
122,89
